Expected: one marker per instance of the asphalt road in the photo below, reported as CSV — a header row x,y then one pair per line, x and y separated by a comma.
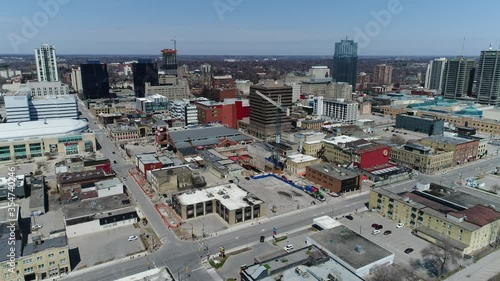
x,y
185,257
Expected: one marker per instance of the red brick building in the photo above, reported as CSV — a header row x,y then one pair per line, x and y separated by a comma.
x,y
371,156
333,178
227,113
223,87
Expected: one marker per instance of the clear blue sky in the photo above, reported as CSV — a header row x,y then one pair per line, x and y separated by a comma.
x,y
249,27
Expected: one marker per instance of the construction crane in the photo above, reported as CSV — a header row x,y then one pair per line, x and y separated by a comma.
x,y
279,109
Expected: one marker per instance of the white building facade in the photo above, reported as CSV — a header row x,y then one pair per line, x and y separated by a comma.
x,y
23,108
336,110
46,63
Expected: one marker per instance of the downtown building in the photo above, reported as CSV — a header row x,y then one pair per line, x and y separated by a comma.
x,y
144,71
46,63
94,80
488,72
458,77
169,61
434,74
382,74
263,114
345,62
23,108
227,113
336,110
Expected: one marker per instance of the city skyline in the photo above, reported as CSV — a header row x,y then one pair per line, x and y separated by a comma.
x,y
223,27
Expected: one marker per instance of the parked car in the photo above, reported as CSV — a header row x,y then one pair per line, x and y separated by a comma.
x,y
399,225
114,152
379,227
409,251
262,238
387,232
288,247
114,161
374,225
349,217
132,238
317,227
247,178
376,232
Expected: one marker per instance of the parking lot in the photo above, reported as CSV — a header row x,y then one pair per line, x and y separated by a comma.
x,y
396,242
280,198
104,246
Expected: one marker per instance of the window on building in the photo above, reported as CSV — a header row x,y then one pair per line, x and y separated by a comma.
x,y
41,266
39,258
62,261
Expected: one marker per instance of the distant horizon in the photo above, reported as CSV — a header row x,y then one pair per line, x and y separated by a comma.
x,y
248,55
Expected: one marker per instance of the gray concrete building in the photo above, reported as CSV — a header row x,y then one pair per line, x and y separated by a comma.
x,y
429,126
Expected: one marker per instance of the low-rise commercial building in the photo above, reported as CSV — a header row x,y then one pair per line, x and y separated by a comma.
x,y
227,113
440,220
429,126
171,179
351,250
233,204
296,164
313,148
221,165
465,150
152,104
359,152
422,158
333,178
90,216
312,124
124,132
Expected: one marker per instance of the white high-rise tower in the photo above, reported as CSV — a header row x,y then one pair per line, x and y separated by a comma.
x,y
46,63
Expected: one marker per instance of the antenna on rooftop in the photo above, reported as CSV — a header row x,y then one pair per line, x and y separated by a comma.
x,y
175,43
463,44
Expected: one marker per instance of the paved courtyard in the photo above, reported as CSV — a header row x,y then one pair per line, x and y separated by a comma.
x,y
280,198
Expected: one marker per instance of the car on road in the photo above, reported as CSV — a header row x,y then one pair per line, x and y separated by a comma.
x,y
288,247
132,238
376,232
379,227
124,178
262,239
247,178
409,251
349,217
114,152
114,161
387,232
399,225
374,225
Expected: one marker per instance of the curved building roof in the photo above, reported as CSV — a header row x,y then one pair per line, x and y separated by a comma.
x,y
470,111
41,128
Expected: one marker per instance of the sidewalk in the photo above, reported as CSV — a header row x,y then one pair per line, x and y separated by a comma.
x,y
483,270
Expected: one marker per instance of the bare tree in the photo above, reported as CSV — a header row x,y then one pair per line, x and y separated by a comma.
x,y
398,139
441,257
385,273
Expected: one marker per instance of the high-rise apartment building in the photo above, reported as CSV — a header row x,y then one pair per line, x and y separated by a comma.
x,y
338,110
488,73
458,76
46,63
144,71
263,114
345,62
95,80
434,74
169,61
382,74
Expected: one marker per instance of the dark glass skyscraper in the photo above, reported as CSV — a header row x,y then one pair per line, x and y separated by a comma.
x,y
345,62
95,80
144,71
488,72
458,77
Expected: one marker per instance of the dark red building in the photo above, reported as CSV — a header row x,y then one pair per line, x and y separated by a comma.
x,y
371,156
227,113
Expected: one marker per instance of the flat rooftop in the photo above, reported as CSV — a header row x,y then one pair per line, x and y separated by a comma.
x,y
203,133
449,140
340,139
333,171
42,128
301,158
230,195
148,158
349,246
93,206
